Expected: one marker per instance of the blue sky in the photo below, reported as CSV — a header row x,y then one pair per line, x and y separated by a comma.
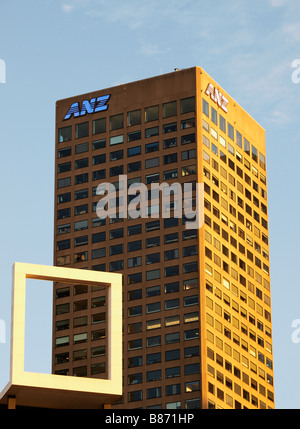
x,y
54,49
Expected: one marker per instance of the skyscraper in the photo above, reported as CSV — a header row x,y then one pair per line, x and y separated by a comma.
x,y
197,329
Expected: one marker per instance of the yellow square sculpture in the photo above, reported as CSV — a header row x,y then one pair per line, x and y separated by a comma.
x,y
60,391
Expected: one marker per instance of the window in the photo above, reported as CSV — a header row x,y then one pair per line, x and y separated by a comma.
x,y
81,163
169,109
172,287
152,162
151,147
205,107
172,303
188,170
116,122
153,258
99,144
238,138
64,134
81,193
134,117
188,154
133,151
169,159
173,337
154,392
83,209
99,126
98,174
116,171
170,143
133,166
169,128
192,369
135,344
80,241
154,341
116,250
134,278
171,254
222,123
188,138
61,168
170,174
151,226
153,358
64,198
152,178
100,159
230,131
214,115
62,153
135,378
172,354
134,245
98,237
152,242
133,136
154,375
134,311
81,130
116,140
151,113
81,178
135,361
82,147
134,262
153,274
80,305
63,229
254,153
150,132
187,105
63,213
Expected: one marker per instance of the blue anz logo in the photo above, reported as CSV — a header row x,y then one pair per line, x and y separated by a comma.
x,y
94,105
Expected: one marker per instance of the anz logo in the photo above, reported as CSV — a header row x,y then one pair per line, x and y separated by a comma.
x,y
217,97
93,105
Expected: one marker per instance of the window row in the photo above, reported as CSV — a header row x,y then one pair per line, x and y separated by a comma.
x,y
135,229
81,337
132,245
157,392
169,355
119,154
136,166
149,163
81,371
170,304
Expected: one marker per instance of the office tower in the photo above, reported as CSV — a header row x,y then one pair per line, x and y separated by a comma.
x,y
197,327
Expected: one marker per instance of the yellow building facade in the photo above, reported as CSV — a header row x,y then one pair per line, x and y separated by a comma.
x,y
237,362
